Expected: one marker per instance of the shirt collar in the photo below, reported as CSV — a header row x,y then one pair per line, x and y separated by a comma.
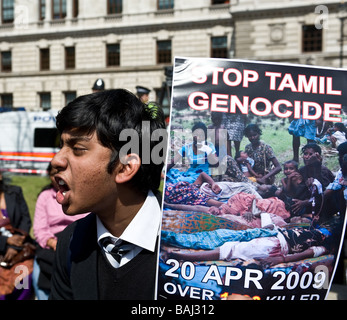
x,y
143,229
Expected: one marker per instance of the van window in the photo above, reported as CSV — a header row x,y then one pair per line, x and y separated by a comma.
x,y
46,138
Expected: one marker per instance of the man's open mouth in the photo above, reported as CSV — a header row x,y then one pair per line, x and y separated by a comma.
x,y
63,187
63,194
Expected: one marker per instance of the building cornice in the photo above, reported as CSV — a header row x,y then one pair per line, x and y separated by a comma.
x,y
77,72
281,11
64,31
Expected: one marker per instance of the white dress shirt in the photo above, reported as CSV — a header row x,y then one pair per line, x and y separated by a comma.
x,y
142,231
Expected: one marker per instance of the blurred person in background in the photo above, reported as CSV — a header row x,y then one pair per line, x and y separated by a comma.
x,y
143,93
16,246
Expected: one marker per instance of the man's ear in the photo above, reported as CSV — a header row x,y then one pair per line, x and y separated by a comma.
x,y
127,168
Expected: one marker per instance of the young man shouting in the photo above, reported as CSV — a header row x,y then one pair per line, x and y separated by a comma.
x,y
104,168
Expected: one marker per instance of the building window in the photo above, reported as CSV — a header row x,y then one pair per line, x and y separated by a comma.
x,y
59,9
44,59
114,6
7,11
164,51
42,8
69,96
113,55
45,100
75,8
219,47
70,59
6,61
311,38
213,2
165,4
7,101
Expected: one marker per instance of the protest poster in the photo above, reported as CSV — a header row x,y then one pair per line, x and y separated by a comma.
x,y
247,224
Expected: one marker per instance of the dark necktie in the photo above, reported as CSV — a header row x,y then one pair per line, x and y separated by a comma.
x,y
116,250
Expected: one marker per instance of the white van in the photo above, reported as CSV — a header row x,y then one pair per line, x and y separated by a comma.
x,y
28,141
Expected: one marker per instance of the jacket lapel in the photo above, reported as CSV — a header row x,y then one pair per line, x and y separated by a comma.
x,y
83,249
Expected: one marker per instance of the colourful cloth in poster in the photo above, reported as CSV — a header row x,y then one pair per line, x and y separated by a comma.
x,y
303,128
209,240
198,163
185,193
242,203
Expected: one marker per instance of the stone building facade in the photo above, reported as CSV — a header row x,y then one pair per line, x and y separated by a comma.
x,y
54,50
51,53
304,32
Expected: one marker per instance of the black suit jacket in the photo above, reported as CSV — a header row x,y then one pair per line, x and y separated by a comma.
x,y
17,210
75,275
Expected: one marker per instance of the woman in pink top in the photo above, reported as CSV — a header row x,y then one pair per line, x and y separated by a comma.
x,y
49,220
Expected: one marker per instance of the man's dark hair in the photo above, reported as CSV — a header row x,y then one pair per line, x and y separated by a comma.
x,y
108,113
